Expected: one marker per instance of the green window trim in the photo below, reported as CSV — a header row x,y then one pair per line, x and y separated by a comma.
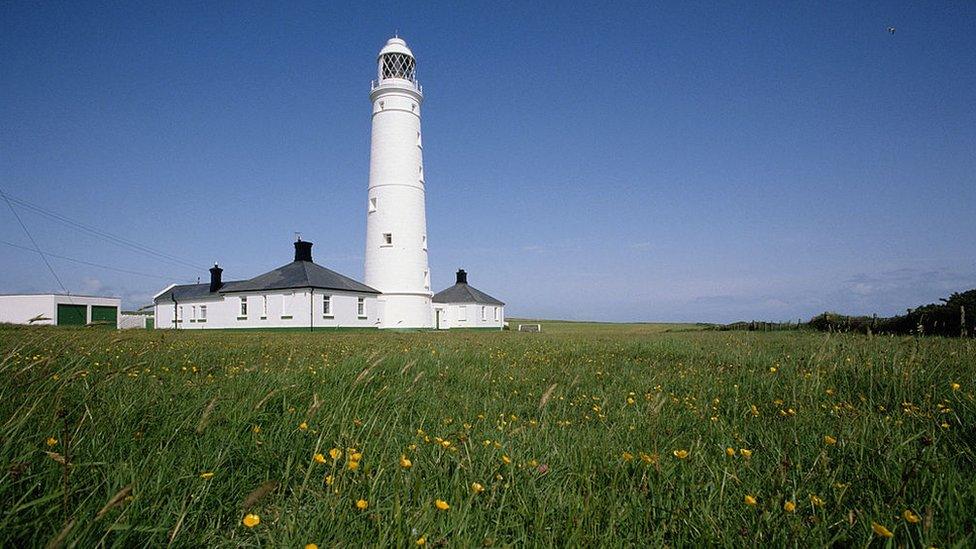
x,y
286,317
242,318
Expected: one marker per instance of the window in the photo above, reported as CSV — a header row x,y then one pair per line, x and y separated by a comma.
x,y
180,317
423,241
203,313
462,312
372,205
244,306
496,314
264,306
361,306
327,305
426,279
420,143
484,313
193,313
387,239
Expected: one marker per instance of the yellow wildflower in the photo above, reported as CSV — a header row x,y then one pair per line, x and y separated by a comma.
x,y
422,540
329,479
881,530
955,386
816,500
750,501
303,426
251,520
335,453
405,462
627,456
648,458
746,453
754,410
681,454
829,440
319,458
206,475
51,441
441,504
256,429
789,507
507,460
352,465
730,451
311,546
477,488
910,516
355,456
362,504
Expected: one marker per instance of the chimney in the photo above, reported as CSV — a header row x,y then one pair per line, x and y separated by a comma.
x,y
215,282
462,277
303,250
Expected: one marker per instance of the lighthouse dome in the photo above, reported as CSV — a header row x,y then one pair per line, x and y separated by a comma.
x,y
396,45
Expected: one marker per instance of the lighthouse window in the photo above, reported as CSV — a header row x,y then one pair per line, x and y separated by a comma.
x,y
372,205
462,312
361,307
426,279
203,313
244,306
387,239
424,241
420,143
326,305
496,313
483,315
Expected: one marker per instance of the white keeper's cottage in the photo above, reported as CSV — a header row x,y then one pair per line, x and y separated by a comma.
x,y
397,291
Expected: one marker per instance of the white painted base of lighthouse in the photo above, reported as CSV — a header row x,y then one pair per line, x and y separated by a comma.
x,y
406,311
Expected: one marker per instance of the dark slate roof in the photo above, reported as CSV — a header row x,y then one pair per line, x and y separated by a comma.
x,y
187,291
299,274
462,293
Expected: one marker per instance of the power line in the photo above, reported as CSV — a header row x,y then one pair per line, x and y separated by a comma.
x,y
118,240
126,271
36,247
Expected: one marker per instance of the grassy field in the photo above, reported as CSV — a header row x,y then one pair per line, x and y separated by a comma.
x,y
593,435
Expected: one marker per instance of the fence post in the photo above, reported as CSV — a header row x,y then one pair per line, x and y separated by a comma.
x,y
962,321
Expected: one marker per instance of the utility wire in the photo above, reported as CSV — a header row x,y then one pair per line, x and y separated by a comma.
x,y
118,240
34,242
126,271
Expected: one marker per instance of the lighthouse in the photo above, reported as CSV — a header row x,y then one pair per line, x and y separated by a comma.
x,y
396,220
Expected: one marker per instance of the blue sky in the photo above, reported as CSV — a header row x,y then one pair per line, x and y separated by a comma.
x,y
674,161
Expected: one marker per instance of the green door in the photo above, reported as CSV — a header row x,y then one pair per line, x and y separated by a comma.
x,y
72,315
103,315
150,323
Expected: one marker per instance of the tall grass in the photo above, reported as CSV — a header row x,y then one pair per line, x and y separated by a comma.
x,y
572,437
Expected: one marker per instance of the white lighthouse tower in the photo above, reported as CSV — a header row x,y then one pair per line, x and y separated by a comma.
x,y
396,220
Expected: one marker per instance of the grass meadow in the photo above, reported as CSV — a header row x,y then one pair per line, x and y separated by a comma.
x,y
584,435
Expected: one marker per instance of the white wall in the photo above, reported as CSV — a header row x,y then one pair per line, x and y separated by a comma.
x,y
450,316
285,309
19,309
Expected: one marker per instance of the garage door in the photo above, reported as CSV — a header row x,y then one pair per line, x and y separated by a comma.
x,y
103,315
72,315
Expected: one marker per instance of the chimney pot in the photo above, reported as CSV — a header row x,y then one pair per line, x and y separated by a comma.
x,y
462,277
303,250
215,282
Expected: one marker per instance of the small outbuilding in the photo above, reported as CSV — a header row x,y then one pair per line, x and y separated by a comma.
x,y
60,310
462,306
